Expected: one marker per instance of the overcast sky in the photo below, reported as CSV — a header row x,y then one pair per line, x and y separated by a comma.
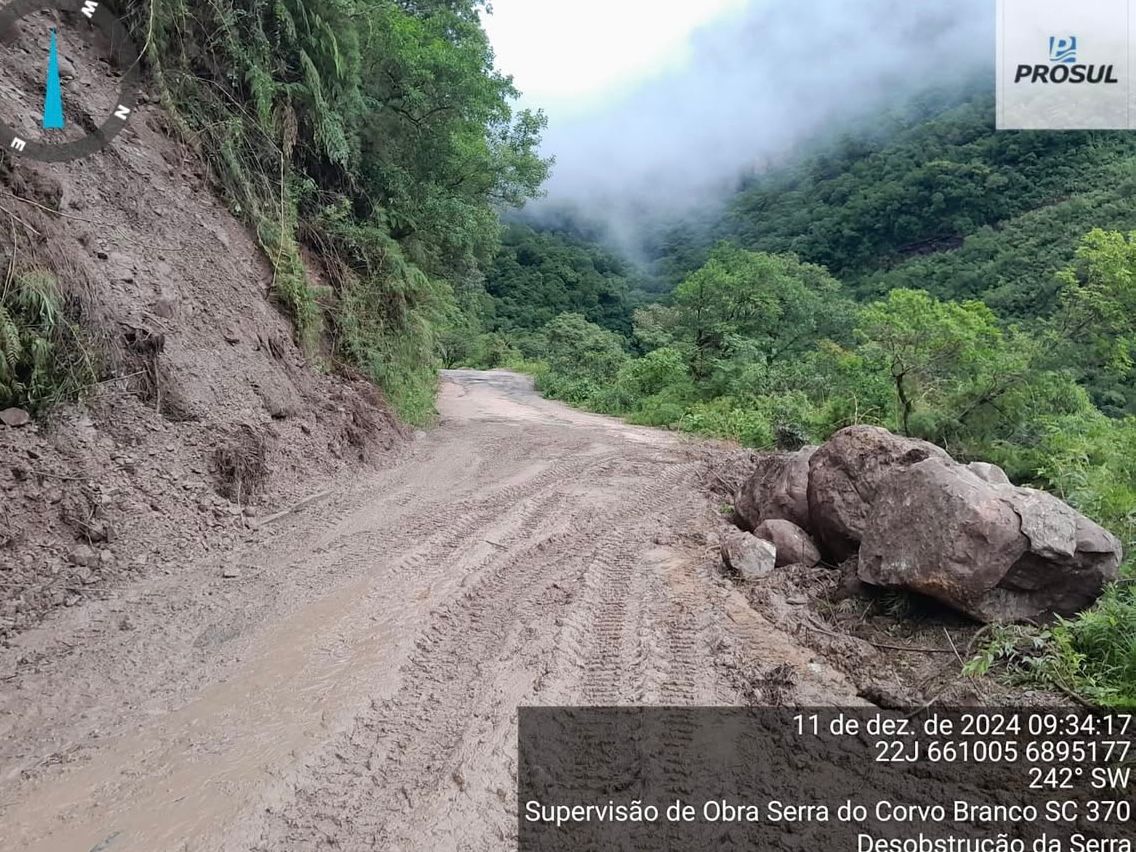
x,y
656,107
567,55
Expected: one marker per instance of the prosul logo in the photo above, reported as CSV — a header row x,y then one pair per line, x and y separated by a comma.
x,y
1064,68
1063,50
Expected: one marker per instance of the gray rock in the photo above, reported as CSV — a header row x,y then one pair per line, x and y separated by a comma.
x,y
97,530
777,490
164,308
280,400
750,557
794,545
15,417
989,473
996,552
83,555
844,477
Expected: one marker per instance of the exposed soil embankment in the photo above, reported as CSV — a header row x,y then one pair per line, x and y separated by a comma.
x,y
205,410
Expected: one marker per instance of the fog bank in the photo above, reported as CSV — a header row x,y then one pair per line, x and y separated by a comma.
x,y
756,83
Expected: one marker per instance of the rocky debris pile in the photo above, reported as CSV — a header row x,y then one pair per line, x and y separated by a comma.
x,y
920,521
154,467
794,546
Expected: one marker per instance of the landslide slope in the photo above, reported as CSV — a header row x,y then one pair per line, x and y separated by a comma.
x,y
198,402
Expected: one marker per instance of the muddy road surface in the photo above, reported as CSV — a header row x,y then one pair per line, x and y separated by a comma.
x,y
351,681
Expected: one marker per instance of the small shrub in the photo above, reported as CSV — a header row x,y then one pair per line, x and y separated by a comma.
x,y
665,408
657,412
241,465
725,418
1095,654
43,359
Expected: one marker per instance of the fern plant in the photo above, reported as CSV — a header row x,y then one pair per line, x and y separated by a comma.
x,y
42,359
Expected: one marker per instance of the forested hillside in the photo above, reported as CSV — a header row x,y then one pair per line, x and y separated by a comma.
x,y
919,272
869,212
539,274
929,195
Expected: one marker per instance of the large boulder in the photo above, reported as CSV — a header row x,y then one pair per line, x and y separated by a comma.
x,y
749,557
777,490
794,545
994,551
844,477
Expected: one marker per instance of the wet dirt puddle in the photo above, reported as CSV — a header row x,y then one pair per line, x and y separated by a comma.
x,y
183,780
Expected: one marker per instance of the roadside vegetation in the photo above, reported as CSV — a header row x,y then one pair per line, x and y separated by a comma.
x,y
374,135
44,358
768,351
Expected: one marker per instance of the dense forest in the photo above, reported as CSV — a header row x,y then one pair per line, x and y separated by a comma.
x,y
920,272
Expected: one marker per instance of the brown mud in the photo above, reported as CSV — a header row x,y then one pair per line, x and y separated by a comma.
x,y
356,685
192,363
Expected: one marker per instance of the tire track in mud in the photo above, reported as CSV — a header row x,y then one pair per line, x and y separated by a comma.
x,y
358,689
361,543
618,644
408,742
469,649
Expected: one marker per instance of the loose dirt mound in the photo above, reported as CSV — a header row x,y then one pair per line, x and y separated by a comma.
x,y
205,405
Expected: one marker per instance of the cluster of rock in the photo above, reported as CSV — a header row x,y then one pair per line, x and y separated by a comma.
x,y
918,520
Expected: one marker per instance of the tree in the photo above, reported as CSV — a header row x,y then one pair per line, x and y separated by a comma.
x,y
932,349
656,326
580,349
377,133
1096,322
538,275
778,305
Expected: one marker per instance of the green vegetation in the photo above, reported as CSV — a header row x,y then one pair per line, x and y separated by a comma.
x,y
935,199
43,359
535,277
970,288
766,350
921,272
376,133
538,275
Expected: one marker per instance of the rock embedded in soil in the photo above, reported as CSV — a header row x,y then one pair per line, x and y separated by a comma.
x,y
747,555
917,520
845,476
164,308
777,490
996,552
794,545
15,417
83,555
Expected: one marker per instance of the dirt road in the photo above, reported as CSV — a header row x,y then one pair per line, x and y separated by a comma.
x,y
355,685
